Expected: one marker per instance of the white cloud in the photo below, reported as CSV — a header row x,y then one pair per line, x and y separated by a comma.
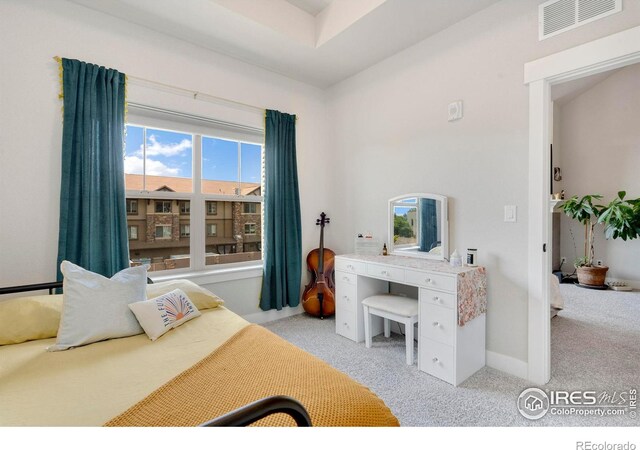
x,y
157,148
134,164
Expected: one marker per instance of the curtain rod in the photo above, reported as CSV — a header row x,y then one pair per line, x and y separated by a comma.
x,y
187,92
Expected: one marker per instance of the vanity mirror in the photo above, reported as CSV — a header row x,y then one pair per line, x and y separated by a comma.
x,y
419,226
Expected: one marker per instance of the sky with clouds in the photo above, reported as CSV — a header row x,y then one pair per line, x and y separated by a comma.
x,y
169,153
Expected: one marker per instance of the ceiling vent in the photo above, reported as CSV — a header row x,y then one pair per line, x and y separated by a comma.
x,y
558,16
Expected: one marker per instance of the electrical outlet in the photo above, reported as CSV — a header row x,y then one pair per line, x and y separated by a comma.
x,y
599,263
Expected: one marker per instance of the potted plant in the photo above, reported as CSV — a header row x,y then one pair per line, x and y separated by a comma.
x,y
620,218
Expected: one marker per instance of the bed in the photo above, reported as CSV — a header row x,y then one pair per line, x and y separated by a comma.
x,y
206,368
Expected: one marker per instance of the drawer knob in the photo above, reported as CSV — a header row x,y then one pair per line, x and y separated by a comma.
x,y
349,266
436,324
345,278
437,299
385,273
346,298
435,360
429,280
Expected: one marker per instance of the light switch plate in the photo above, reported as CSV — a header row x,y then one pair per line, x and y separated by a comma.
x,y
455,111
510,213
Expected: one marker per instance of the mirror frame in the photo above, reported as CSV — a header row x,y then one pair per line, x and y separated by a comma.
x,y
444,224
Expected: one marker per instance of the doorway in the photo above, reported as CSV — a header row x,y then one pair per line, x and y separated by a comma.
x,y
614,51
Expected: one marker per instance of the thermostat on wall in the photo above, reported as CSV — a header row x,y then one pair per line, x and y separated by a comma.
x,y
455,111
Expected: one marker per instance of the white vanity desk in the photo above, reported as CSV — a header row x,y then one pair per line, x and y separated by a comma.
x,y
452,307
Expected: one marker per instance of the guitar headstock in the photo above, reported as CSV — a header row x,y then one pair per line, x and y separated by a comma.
x,y
323,220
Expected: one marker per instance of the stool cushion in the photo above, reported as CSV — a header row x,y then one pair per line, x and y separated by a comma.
x,y
402,306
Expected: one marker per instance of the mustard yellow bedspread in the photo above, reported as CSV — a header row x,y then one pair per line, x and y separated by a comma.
x,y
253,364
87,386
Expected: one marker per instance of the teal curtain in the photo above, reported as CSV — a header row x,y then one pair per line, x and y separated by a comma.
x,y
428,224
93,218
282,228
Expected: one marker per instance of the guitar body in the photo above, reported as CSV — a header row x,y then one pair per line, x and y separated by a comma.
x,y
318,298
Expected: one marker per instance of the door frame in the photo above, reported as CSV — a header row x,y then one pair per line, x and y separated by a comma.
x,y
611,52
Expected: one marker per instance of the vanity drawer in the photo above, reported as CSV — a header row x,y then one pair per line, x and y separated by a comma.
x,y
437,359
437,323
431,280
443,299
348,265
385,272
346,296
346,323
345,278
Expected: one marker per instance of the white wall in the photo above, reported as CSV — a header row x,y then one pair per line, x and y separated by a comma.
x,y
391,136
384,133
600,140
31,123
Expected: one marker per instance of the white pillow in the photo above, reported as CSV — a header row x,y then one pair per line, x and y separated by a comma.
x,y
159,315
95,307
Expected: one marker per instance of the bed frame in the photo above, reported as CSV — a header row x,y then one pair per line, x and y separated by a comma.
x,y
241,417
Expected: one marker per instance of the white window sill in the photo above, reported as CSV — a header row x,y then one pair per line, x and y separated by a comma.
x,y
213,275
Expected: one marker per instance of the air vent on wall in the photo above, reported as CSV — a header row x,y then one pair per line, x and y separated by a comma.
x,y
558,16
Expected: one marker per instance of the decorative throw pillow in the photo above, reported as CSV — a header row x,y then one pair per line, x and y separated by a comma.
x,y
95,308
29,318
201,297
159,315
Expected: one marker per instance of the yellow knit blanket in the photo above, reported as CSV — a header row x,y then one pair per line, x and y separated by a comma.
x,y
253,364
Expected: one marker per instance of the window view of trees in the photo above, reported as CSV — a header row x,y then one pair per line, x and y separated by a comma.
x,y
404,226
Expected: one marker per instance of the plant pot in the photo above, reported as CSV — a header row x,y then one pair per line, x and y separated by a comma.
x,y
592,276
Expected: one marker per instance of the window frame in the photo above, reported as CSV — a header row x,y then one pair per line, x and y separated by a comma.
x,y
249,212
130,234
184,226
215,226
163,237
184,211
198,214
132,201
251,225
213,203
162,202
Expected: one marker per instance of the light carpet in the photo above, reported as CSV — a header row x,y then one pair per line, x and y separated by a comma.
x,y
595,345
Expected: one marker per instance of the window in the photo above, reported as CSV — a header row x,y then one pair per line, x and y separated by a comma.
x,y
163,231
132,207
249,228
163,207
132,232
160,173
250,208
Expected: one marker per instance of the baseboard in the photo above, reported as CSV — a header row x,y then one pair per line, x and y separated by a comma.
x,y
273,314
507,364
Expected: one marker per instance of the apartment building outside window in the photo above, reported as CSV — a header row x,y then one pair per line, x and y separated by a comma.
x,y
162,202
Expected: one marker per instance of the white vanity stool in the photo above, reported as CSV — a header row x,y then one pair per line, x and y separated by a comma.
x,y
391,307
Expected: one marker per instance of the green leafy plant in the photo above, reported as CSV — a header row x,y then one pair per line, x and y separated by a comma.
x,y
620,218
